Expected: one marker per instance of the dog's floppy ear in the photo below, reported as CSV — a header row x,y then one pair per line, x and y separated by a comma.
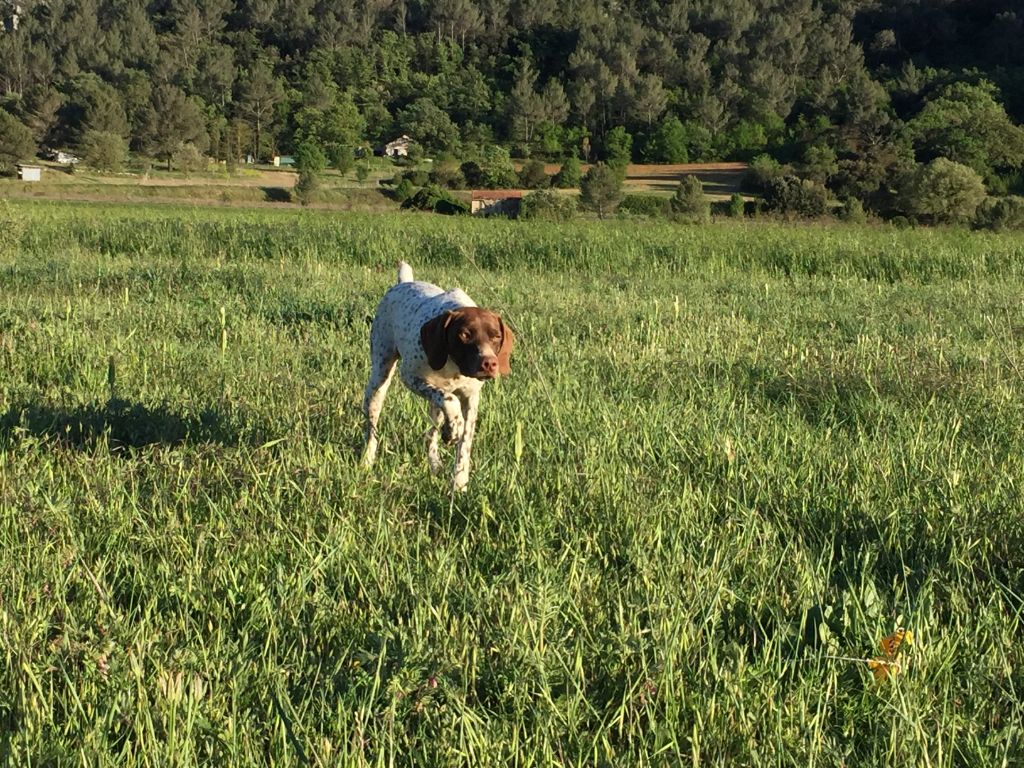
x,y
507,340
435,341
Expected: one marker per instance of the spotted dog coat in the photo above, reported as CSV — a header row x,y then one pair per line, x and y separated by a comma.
x,y
448,347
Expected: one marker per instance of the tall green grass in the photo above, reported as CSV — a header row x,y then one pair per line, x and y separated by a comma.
x,y
729,460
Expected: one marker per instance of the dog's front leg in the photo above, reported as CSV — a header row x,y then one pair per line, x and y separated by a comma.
x,y
448,404
433,454
470,407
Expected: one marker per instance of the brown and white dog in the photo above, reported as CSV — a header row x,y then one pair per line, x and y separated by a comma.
x,y
448,348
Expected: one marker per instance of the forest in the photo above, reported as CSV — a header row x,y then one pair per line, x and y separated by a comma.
x,y
854,95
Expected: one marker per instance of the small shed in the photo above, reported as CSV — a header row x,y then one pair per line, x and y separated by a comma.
x,y
284,161
399,147
30,172
496,202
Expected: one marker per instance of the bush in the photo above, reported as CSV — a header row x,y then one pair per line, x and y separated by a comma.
x,y
433,198
188,158
307,186
569,175
473,174
446,173
762,170
601,189
533,176
644,205
618,148
942,192
404,190
737,205
341,158
103,150
668,143
795,196
309,157
418,178
548,206
853,211
1001,213
362,172
497,169
689,201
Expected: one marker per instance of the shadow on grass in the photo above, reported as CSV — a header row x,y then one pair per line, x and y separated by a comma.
x,y
120,423
276,194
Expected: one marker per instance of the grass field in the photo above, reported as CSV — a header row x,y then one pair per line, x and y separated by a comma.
x,y
729,461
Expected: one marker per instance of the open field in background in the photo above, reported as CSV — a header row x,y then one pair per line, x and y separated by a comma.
x,y
263,187
726,456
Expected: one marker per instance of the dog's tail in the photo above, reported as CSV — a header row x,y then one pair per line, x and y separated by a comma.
x,y
404,272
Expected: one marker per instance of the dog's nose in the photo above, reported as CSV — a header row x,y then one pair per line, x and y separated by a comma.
x,y
489,366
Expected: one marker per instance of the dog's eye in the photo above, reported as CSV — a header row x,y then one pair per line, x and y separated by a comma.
x,y
463,335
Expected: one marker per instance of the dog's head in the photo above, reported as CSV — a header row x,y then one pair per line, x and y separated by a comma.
x,y
475,339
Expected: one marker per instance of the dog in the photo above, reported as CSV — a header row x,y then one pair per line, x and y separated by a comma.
x,y
448,347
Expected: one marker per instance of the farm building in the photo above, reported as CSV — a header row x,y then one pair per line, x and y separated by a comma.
x,y
284,161
30,172
399,147
496,202
62,157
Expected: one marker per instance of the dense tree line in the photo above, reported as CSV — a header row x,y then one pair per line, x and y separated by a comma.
x,y
848,93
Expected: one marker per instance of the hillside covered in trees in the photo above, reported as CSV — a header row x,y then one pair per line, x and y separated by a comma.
x,y
848,93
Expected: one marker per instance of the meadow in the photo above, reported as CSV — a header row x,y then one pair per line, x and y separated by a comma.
x,y
730,459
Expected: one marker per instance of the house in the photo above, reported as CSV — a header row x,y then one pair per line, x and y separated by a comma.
x,y
9,20
30,172
399,147
62,157
495,202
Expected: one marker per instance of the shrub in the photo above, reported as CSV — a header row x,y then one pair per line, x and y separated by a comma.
x,y
853,211
644,205
362,172
433,198
311,162
404,190
446,173
569,175
309,157
601,189
497,169
548,206
473,174
689,201
188,158
618,148
668,143
762,170
341,158
307,186
533,176
795,196
103,150
942,192
1001,213
418,178
737,205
